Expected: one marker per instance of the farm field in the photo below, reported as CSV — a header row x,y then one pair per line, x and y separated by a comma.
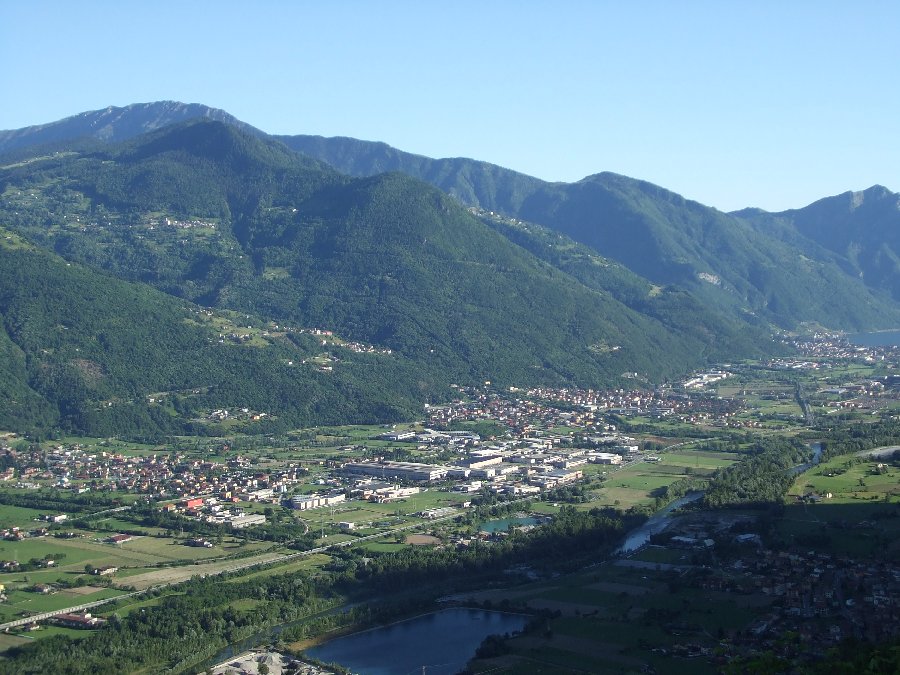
x,y
22,602
847,480
168,575
608,617
138,561
7,641
310,562
859,528
641,483
20,516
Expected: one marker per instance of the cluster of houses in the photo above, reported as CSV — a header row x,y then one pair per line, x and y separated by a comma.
x,y
821,597
836,346
524,411
158,475
213,510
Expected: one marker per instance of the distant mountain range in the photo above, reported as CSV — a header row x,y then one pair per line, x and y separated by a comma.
x,y
465,271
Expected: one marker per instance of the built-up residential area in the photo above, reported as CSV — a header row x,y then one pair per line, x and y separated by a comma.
x,y
231,503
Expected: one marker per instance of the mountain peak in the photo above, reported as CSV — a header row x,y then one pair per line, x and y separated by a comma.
x,y
874,193
114,123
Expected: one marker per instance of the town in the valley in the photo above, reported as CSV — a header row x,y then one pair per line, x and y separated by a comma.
x,y
92,524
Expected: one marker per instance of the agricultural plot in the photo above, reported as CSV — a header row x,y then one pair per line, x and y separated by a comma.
x,y
858,529
22,603
139,556
306,563
641,483
847,481
611,618
169,575
20,516
637,484
8,641
699,459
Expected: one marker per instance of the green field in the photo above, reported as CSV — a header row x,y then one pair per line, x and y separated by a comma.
x,y
699,459
848,481
21,603
637,484
8,641
305,563
140,555
19,516
859,529
611,617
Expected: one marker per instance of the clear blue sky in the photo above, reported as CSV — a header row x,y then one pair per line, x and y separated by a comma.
x,y
762,103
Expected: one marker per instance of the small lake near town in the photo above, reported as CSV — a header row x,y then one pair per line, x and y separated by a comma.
x,y
503,524
442,641
881,338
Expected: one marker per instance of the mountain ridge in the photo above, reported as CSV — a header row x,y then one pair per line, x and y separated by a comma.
x,y
551,283
386,259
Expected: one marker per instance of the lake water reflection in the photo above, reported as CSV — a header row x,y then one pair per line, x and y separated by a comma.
x,y
503,524
442,641
882,338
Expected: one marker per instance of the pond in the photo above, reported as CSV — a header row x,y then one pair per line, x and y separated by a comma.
x,y
503,524
440,642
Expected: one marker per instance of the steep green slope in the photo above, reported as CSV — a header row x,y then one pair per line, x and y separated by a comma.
x,y
861,229
751,273
714,333
221,217
474,183
717,258
88,352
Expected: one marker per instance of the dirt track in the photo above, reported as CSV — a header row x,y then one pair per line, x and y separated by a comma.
x,y
169,575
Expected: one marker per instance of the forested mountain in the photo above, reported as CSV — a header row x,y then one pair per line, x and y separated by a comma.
x,y
229,220
535,282
113,124
726,263
655,233
474,183
862,229
89,353
720,334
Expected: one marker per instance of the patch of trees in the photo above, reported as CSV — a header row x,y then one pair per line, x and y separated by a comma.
x,y
850,438
54,500
763,478
180,631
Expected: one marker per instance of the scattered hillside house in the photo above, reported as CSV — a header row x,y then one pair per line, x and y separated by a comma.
x,y
83,620
105,571
119,538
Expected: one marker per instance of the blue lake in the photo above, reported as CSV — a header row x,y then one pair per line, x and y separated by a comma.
x,y
442,641
503,524
882,338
